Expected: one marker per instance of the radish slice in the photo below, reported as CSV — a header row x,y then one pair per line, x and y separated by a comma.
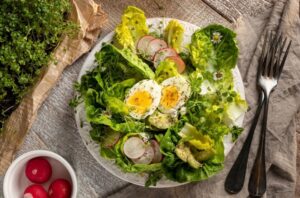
x,y
157,154
134,147
143,42
162,54
146,158
154,46
179,62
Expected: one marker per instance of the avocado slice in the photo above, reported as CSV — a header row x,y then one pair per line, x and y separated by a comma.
x,y
161,120
184,153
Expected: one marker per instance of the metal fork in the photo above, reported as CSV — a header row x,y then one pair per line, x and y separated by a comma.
x,y
269,73
270,67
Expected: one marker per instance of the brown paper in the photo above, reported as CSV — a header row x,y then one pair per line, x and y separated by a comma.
x,y
91,18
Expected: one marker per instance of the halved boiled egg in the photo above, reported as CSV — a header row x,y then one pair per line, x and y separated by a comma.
x,y
175,92
143,99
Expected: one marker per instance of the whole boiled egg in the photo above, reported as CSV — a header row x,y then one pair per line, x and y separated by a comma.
x,y
175,92
143,99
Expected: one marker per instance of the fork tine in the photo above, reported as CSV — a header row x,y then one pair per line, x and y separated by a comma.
x,y
262,56
274,55
270,54
267,55
284,59
277,63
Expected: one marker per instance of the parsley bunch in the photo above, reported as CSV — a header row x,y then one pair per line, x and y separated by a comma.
x,y
29,31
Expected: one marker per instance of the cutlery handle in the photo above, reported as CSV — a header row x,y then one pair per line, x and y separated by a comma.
x,y
236,177
258,183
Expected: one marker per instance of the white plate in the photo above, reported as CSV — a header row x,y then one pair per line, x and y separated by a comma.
x,y
84,127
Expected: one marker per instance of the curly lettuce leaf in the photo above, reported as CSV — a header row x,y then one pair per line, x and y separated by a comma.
x,y
123,38
225,47
115,105
132,27
201,50
236,131
153,178
118,89
196,79
214,48
165,70
173,34
108,153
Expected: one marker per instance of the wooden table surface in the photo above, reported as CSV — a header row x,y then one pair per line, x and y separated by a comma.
x,y
55,124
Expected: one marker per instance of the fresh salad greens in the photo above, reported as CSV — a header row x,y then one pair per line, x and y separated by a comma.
x,y
155,111
29,32
132,27
173,34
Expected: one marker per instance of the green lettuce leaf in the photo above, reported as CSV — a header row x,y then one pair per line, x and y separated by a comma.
x,y
126,164
118,89
123,37
225,47
153,178
214,48
236,131
165,70
176,169
128,63
201,50
123,127
132,27
173,34
115,105
190,134
108,153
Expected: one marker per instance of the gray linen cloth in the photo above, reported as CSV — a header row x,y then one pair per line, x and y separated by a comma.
x,y
284,104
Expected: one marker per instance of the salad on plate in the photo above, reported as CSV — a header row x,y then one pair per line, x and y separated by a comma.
x,y
159,107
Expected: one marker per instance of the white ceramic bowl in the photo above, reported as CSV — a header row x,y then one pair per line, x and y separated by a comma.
x,y
15,180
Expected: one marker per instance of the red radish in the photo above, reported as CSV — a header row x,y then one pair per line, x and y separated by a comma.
x,y
134,147
147,157
179,62
38,170
154,46
162,54
143,42
60,188
157,154
35,191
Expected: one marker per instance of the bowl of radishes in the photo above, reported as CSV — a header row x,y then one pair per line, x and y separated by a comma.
x,y
40,174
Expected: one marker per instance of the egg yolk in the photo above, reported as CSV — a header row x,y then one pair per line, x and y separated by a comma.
x,y
140,101
170,96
